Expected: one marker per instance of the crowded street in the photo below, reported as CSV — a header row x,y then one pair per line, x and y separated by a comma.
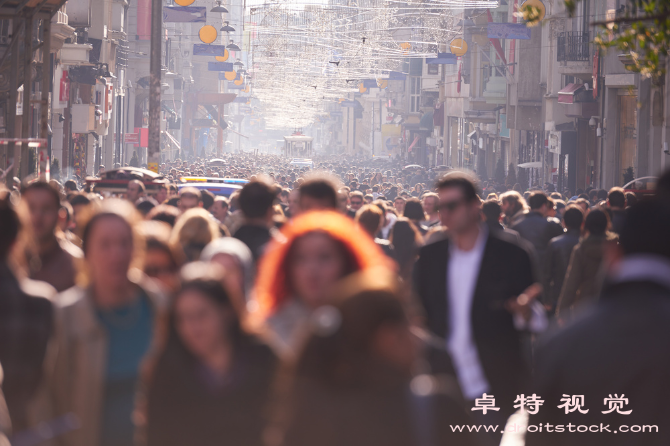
x,y
334,223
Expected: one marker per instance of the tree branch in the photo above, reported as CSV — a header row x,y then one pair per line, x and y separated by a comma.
x,y
632,19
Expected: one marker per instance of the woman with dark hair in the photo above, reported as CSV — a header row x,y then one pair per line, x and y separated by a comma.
x,y
406,240
583,279
414,212
353,383
210,382
317,250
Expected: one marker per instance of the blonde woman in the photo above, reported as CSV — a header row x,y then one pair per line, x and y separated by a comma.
x,y
193,231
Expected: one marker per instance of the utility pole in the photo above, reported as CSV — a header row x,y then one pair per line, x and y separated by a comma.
x,y
24,168
153,152
43,153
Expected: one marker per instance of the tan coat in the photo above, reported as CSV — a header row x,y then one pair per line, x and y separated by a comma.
x,y
82,359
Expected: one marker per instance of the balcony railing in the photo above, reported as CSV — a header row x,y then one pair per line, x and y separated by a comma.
x,y
573,46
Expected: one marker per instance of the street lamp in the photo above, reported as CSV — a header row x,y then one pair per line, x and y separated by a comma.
x,y
232,47
227,28
219,8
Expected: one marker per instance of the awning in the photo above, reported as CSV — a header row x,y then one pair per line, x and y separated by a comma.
x,y
567,94
532,165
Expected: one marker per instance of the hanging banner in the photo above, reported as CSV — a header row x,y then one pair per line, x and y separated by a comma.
x,y
442,59
64,92
202,49
220,66
184,14
518,31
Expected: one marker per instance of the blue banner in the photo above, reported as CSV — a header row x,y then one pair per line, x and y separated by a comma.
x,y
185,14
201,49
220,66
232,86
442,59
370,83
397,76
241,99
508,31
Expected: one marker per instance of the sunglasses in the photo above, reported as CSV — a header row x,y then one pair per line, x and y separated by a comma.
x,y
450,206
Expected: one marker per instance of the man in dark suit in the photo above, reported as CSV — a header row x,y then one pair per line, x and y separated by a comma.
x,y
537,228
478,292
558,256
614,357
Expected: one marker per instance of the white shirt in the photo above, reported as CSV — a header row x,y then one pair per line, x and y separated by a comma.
x,y
462,274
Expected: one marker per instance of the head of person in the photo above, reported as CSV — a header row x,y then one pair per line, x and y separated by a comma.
x,y
207,199
202,315
193,230
317,194
644,231
538,202
256,200
145,205
237,261
414,210
459,204
70,186
584,204
631,199
220,208
399,204
161,261
573,217
11,225
43,203
111,243
356,200
429,202
165,213
79,203
162,193
135,190
406,240
491,211
616,199
370,218
511,202
317,249
189,198
596,222
361,338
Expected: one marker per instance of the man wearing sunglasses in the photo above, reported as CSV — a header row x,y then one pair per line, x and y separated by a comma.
x,y
478,291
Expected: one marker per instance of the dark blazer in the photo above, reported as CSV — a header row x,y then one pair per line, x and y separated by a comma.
x,y
506,271
618,346
558,259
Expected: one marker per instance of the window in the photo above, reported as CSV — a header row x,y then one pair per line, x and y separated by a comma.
x,y
415,94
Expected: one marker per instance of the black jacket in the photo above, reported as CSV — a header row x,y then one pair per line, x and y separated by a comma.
x,y
506,271
26,326
183,409
538,230
557,261
620,346
255,237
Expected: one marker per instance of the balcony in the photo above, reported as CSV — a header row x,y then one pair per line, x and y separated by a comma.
x,y
573,46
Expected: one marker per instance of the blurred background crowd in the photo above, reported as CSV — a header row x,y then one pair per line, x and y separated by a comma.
x,y
343,305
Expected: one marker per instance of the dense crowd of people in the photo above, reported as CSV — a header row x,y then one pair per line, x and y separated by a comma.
x,y
357,303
